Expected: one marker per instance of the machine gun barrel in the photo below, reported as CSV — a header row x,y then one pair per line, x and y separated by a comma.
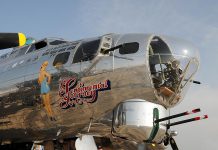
x,y
111,49
178,115
187,120
193,81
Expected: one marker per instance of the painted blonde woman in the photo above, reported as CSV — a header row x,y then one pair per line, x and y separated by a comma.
x,y
44,80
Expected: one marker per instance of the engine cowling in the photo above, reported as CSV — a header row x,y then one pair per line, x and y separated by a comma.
x,y
134,119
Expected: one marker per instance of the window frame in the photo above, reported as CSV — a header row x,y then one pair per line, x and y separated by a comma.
x,y
35,46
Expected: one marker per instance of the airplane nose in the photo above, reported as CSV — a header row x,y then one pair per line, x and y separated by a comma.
x,y
173,63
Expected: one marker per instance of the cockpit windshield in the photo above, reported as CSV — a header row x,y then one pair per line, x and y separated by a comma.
x,y
172,67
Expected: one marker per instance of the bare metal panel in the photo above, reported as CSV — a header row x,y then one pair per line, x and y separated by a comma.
x,y
135,119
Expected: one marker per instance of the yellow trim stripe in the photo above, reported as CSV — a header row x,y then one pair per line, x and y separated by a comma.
x,y
22,39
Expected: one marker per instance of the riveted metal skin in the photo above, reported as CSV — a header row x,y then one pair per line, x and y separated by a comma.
x,y
78,90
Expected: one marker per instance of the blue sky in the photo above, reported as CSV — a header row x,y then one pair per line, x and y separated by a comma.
x,y
195,21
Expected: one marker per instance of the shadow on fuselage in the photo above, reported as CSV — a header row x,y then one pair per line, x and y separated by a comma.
x,y
17,146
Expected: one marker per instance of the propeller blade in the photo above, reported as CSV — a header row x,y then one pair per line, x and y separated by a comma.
x,y
173,144
166,141
9,40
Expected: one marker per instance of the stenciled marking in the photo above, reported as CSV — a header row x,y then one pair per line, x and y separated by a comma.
x,y
72,92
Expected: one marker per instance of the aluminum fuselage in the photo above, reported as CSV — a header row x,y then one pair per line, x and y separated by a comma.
x,y
23,117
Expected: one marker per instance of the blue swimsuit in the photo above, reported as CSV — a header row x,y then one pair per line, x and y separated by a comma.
x,y
44,86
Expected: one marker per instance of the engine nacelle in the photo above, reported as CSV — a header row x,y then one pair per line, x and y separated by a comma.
x,y
134,119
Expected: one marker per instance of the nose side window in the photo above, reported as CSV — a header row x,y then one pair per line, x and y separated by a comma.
x,y
129,48
87,51
61,59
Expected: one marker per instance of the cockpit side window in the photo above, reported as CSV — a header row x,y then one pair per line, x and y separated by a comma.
x,y
61,59
86,51
40,45
37,46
